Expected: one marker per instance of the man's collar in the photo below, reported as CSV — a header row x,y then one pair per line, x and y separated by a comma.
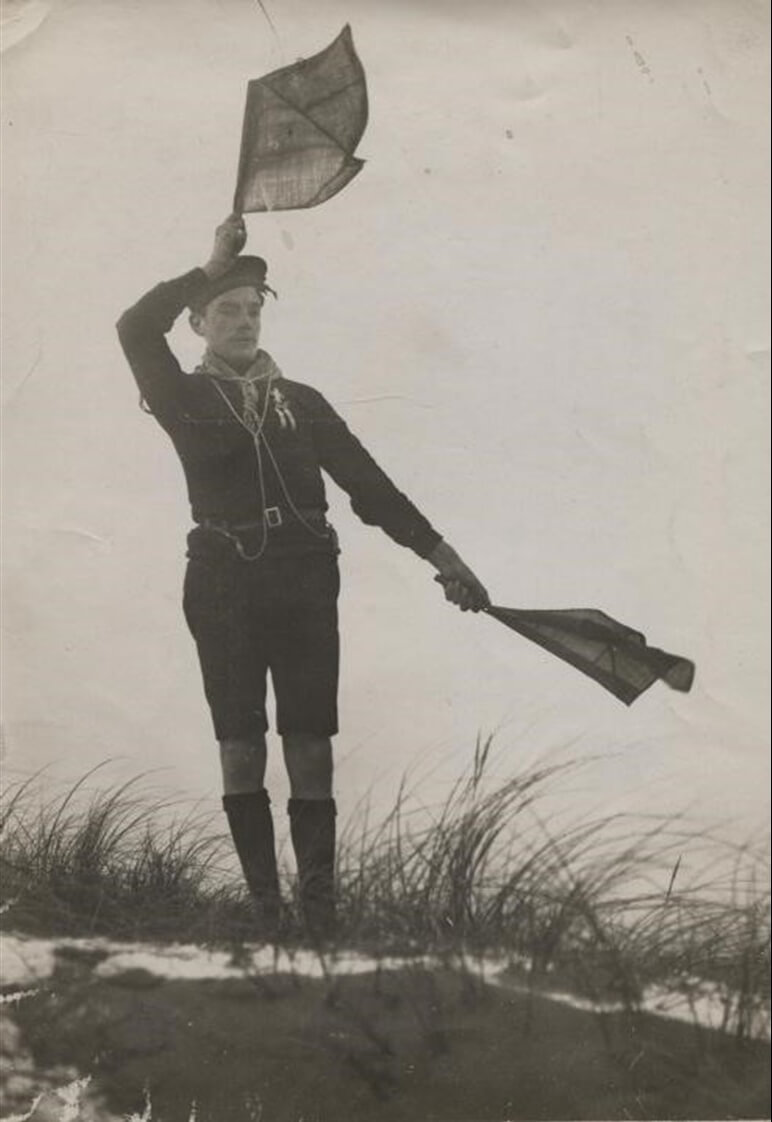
x,y
262,368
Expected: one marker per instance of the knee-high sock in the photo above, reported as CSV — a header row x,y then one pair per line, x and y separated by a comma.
x,y
251,826
312,828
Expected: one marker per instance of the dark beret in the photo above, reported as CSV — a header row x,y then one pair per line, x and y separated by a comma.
x,y
245,271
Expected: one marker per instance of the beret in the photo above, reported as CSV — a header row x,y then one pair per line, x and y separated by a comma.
x,y
246,271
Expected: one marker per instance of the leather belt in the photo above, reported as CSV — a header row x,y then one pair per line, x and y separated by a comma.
x,y
273,517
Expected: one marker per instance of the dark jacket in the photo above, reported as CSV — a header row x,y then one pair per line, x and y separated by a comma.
x,y
218,454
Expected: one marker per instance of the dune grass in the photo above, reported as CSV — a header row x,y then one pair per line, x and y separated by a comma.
x,y
603,908
114,862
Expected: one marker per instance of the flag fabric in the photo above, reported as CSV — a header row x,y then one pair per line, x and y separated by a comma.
x,y
614,655
302,124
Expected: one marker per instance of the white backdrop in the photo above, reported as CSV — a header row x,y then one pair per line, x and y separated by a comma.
x,y
542,306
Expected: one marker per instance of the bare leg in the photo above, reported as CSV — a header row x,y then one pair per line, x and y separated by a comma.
x,y
243,765
309,765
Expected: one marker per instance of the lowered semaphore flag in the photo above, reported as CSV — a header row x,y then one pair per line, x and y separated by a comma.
x,y
614,655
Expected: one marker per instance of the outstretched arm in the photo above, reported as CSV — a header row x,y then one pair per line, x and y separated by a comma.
x,y
379,503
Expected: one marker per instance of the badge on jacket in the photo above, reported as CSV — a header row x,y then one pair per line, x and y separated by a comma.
x,y
282,409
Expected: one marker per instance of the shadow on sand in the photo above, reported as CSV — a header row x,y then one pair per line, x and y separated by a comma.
x,y
414,1045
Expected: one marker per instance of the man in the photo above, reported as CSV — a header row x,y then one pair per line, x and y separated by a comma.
x,y
262,581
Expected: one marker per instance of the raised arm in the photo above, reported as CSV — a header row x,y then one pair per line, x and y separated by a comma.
x,y
142,329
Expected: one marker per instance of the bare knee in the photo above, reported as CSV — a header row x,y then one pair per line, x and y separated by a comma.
x,y
243,765
309,765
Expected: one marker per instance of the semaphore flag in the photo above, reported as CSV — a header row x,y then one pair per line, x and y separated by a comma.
x,y
616,656
301,126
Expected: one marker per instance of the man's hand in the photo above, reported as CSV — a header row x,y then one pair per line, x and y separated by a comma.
x,y
229,240
461,585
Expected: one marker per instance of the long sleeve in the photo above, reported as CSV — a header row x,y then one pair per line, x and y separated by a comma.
x,y
374,498
142,333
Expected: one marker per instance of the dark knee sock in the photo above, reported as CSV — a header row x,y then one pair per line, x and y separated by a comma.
x,y
312,827
251,826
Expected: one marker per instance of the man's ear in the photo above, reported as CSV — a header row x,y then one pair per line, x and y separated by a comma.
x,y
196,321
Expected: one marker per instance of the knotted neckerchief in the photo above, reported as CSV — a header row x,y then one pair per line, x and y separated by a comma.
x,y
261,373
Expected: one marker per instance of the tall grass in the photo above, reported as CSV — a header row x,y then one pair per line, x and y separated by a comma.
x,y
605,907
113,861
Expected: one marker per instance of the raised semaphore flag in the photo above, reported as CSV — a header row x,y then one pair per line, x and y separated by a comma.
x,y
302,124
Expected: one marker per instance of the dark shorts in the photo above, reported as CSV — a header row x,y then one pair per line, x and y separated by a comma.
x,y
277,615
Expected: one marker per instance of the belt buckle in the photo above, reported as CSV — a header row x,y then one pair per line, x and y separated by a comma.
x,y
272,517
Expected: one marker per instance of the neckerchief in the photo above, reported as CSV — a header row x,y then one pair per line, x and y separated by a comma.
x,y
263,371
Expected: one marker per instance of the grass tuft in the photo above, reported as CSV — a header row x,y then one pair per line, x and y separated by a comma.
x,y
110,861
606,908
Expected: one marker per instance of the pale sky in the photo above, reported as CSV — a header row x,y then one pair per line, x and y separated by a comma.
x,y
543,307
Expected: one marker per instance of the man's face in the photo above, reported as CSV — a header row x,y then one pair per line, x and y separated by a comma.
x,y
230,323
